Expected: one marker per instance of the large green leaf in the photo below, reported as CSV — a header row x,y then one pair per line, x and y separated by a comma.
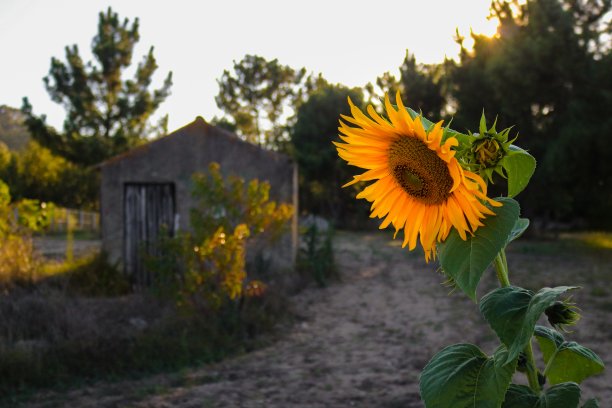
x,y
512,313
519,166
520,396
466,261
566,395
592,403
566,361
462,376
519,227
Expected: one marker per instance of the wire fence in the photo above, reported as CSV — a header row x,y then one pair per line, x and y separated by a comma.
x,y
62,219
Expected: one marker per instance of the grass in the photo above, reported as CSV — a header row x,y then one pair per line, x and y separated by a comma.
x,y
171,344
73,325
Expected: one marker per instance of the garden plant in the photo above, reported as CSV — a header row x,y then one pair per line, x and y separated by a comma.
x,y
431,182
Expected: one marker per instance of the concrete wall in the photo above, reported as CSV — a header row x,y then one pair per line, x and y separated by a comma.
x,y
174,158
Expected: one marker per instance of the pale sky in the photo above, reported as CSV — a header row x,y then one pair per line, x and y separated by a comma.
x,y
349,41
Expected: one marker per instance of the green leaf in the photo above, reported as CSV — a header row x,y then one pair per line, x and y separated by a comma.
x,y
520,396
592,403
461,376
512,313
519,166
566,395
466,261
566,361
482,126
520,226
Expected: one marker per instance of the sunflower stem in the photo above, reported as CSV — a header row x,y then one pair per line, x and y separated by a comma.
x,y
532,371
501,268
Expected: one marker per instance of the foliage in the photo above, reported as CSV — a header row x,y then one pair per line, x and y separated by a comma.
x,y
422,83
18,261
91,275
462,375
320,168
316,255
105,114
544,72
255,96
206,267
36,173
51,339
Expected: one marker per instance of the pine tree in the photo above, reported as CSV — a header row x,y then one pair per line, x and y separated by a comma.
x,y
105,114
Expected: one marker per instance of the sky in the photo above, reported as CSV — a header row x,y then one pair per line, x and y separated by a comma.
x,y
351,42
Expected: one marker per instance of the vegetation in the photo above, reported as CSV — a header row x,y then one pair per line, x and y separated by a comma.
x,y
422,84
19,263
105,114
255,96
205,268
56,331
316,255
320,168
35,172
544,73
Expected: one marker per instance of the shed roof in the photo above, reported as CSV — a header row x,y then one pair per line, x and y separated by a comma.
x,y
199,125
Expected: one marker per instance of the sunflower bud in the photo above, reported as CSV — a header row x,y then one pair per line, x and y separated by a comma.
x,y
488,149
488,152
561,314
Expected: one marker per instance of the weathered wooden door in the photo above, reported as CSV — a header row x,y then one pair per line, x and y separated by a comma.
x,y
149,210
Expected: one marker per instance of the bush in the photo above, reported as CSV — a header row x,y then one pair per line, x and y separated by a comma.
x,y
206,268
91,275
316,255
18,261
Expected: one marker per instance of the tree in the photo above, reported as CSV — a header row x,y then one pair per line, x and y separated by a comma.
x,y
321,171
420,85
255,96
36,173
105,114
547,76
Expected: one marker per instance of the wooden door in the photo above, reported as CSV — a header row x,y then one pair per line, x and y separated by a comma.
x,y
149,210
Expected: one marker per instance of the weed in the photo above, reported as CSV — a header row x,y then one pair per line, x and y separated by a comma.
x,y
316,256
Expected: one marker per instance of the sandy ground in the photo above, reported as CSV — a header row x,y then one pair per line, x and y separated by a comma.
x,y
363,341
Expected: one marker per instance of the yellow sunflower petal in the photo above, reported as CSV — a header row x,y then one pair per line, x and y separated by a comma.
x,y
418,184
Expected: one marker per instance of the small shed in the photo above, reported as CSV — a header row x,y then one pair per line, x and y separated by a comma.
x,y
150,186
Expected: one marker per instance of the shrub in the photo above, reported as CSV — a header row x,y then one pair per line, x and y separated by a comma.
x,y
205,268
18,261
316,255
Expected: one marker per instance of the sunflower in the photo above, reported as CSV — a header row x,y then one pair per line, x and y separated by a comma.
x,y
420,186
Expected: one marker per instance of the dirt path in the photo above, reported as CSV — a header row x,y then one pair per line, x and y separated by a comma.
x,y
362,342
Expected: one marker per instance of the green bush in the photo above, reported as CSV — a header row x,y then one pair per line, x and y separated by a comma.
x,y
316,255
205,268
18,261
94,275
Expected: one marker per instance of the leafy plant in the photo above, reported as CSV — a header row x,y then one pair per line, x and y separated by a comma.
x,y
205,267
316,255
18,260
432,183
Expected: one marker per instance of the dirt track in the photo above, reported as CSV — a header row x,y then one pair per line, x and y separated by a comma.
x,y
363,342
